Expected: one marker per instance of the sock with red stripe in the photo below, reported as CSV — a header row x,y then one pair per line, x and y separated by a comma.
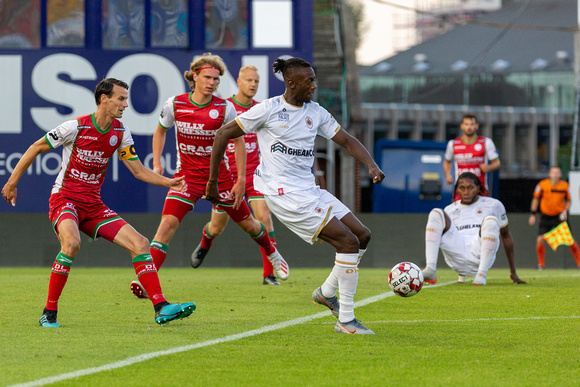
x,y
58,278
263,239
158,252
147,275
541,250
268,268
206,237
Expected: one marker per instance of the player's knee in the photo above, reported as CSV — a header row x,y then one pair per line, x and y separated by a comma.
x,y
71,246
250,225
140,244
215,230
490,225
351,243
364,237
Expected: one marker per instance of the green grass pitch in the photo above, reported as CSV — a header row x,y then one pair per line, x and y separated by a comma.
x,y
245,333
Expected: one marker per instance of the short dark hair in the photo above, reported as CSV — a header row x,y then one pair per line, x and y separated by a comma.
x,y
287,66
469,116
106,87
481,191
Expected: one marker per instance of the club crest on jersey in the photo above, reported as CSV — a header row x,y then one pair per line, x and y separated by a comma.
x,y
309,122
213,113
319,210
477,147
113,140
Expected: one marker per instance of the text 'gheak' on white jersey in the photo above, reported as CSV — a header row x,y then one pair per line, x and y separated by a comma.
x,y
286,134
468,217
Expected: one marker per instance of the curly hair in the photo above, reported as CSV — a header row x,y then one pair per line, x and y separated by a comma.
x,y
481,191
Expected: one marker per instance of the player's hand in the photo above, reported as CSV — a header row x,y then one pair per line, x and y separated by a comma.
x,y
211,192
563,215
158,170
449,179
9,194
377,175
532,220
237,193
178,184
517,279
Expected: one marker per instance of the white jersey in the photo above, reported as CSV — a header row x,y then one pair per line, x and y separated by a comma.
x,y
468,217
286,134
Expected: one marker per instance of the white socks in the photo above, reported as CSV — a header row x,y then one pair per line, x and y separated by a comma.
x,y
433,232
344,278
489,244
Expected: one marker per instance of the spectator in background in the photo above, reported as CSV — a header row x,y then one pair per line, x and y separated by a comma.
x,y
552,197
471,153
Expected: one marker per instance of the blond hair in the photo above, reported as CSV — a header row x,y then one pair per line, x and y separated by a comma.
x,y
246,67
206,60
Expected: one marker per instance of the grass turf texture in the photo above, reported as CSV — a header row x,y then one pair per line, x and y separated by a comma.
x,y
500,334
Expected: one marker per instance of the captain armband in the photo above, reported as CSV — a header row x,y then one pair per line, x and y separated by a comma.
x,y
128,153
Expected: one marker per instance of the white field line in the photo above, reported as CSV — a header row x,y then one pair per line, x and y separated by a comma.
x,y
147,356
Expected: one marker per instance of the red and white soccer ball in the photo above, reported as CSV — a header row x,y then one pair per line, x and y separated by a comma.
x,y
406,279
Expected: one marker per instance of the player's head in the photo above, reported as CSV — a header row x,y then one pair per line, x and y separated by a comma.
x,y
469,124
469,187
298,76
204,66
106,87
555,173
248,81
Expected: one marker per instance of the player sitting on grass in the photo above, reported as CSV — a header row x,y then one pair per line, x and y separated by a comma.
x,y
468,232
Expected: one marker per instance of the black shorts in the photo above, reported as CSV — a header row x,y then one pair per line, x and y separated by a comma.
x,y
548,223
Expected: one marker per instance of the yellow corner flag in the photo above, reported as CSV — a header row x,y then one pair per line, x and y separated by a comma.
x,y
559,235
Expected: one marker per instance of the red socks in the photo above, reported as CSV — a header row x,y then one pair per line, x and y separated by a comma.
x,y
541,250
158,252
264,240
206,238
147,275
268,269
58,278
576,253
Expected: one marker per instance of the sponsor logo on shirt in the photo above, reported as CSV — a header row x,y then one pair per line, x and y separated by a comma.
x,y
119,129
220,104
468,226
84,127
91,156
279,147
89,138
283,116
181,111
85,177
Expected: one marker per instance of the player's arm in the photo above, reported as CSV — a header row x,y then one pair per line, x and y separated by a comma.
x,y
239,189
132,162
492,166
9,190
447,169
158,145
359,152
508,245
227,132
533,210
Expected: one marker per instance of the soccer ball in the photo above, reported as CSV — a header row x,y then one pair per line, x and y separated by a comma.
x,y
406,279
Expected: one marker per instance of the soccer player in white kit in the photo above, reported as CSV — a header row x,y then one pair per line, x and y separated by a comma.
x,y
468,233
287,126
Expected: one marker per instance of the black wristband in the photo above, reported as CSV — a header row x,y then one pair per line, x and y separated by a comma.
x,y
533,213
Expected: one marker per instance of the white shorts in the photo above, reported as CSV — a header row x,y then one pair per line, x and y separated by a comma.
x,y
461,252
306,212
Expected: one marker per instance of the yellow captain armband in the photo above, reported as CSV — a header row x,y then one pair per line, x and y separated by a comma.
x,y
128,153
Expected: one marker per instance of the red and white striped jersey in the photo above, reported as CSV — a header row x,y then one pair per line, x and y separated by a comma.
x,y
468,157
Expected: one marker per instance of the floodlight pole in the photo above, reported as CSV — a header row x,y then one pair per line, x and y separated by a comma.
x,y
577,89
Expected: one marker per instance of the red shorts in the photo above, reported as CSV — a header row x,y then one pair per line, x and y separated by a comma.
x,y
93,218
180,203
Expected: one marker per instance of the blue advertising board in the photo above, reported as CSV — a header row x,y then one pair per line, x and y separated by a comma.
x,y
43,87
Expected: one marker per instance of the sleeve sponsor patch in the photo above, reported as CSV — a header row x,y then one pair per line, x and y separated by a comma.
x,y
127,153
